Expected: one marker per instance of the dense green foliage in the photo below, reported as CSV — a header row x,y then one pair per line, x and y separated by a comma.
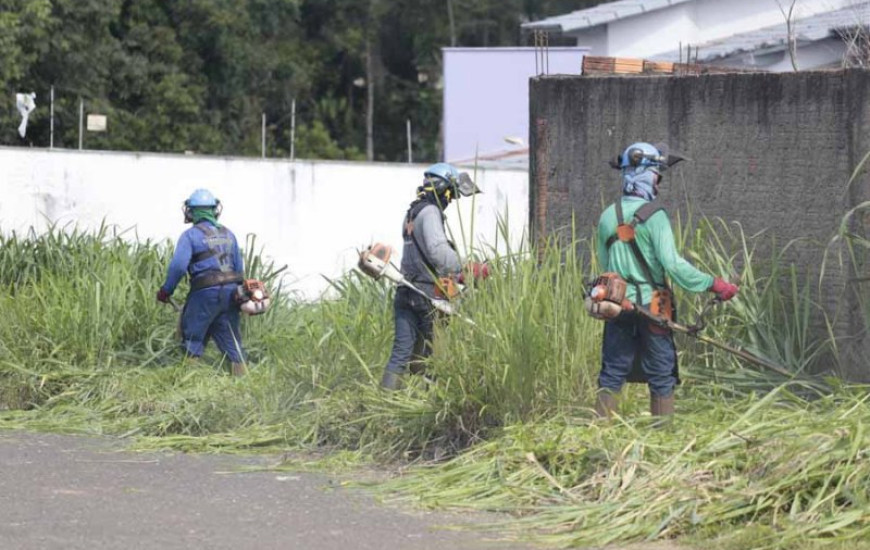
x,y
196,75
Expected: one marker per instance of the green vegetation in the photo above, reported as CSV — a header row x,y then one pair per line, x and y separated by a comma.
x,y
196,75
506,426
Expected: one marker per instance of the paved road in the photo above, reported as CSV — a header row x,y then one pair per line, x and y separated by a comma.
x,y
66,492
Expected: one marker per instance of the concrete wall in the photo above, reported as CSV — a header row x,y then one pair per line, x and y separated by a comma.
x,y
312,216
772,151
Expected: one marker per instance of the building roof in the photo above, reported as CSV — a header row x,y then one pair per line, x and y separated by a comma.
x,y
599,15
809,29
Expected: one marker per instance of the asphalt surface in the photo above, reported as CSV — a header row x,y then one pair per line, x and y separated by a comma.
x,y
68,492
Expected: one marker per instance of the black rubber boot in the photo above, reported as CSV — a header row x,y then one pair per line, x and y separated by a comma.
x,y
391,380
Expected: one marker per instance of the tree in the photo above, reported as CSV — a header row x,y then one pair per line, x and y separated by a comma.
x,y
197,74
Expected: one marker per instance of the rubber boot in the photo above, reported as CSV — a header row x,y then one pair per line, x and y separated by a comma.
x,y
391,380
662,408
239,369
605,404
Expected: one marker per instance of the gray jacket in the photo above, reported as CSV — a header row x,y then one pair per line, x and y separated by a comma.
x,y
425,224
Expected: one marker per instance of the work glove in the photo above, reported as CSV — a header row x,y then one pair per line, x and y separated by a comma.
x,y
162,296
477,270
723,289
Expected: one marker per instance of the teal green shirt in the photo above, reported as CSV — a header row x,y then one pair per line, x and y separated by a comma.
x,y
656,240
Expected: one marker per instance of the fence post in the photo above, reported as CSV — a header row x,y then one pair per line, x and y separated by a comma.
x,y
51,122
293,130
81,121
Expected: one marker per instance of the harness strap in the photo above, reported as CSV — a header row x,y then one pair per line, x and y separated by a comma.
x,y
209,231
215,278
413,212
642,214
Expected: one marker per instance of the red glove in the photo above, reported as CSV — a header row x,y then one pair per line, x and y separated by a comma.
x,y
477,270
162,296
723,289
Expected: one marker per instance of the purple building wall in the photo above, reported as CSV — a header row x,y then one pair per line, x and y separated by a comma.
x,y
486,95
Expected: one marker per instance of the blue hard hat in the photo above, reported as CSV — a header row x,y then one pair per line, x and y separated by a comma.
x,y
201,198
442,177
642,155
446,172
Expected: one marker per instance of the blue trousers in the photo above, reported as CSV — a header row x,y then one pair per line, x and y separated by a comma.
x,y
414,317
636,351
212,313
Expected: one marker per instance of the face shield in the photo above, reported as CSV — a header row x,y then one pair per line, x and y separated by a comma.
x,y
465,186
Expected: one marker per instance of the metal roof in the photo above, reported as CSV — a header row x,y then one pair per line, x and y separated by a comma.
x,y
600,14
809,29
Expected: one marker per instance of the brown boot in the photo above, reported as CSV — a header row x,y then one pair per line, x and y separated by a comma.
x,y
605,404
662,407
391,381
239,369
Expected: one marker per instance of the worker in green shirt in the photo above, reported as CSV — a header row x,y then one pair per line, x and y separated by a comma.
x,y
635,240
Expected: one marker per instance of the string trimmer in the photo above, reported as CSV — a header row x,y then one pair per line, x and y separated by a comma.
x,y
374,261
695,332
606,300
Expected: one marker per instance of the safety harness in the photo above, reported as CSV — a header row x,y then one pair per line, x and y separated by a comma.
x,y
445,287
213,277
662,298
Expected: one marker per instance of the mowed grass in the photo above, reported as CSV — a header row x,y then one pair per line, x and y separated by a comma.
x,y
507,425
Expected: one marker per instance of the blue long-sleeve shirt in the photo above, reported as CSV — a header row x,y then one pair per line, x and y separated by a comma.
x,y
193,241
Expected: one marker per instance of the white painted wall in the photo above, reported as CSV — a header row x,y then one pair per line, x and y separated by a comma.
x,y
310,215
594,38
821,54
663,30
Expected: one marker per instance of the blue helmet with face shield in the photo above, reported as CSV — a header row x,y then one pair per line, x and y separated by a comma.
x,y
447,182
642,165
641,156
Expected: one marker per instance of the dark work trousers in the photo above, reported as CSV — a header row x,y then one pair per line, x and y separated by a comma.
x,y
212,313
631,341
414,318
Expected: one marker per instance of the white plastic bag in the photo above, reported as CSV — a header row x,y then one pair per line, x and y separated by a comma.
x,y
25,103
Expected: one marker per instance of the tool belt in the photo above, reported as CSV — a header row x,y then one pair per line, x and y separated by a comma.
x,y
215,278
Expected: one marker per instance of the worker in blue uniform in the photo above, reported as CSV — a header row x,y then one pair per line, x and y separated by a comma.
x,y
209,254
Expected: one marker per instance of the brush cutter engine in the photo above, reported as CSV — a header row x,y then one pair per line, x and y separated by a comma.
x,y
374,261
606,297
253,297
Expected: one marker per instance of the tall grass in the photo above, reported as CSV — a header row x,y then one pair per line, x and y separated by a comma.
x,y
85,347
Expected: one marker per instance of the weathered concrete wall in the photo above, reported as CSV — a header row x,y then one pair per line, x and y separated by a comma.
x,y
772,151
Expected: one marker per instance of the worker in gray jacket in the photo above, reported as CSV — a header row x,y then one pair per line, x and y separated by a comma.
x,y
429,262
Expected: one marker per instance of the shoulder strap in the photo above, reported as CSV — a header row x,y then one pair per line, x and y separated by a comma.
x,y
642,214
413,212
209,231
620,219
646,212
